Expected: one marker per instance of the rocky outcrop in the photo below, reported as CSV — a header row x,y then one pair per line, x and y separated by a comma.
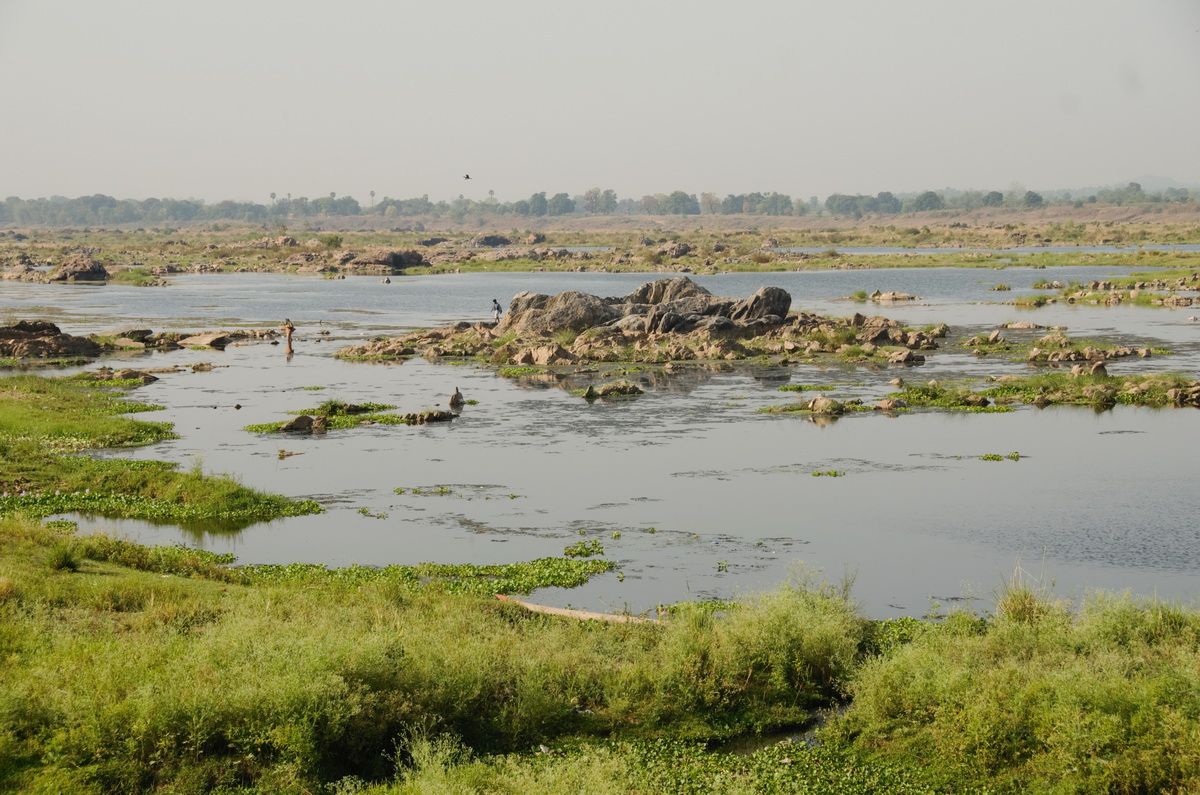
x,y
383,260
490,241
37,339
79,267
531,313
665,320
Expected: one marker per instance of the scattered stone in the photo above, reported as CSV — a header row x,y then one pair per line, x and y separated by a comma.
x,y
906,357
891,297
213,339
826,405
617,389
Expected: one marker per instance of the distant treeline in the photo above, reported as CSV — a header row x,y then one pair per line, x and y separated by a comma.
x,y
100,209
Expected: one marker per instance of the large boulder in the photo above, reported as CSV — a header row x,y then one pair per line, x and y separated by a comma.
x,y
383,259
766,301
36,339
569,311
664,291
79,267
490,241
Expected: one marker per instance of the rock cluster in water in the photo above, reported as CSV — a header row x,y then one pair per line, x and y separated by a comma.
x,y
664,320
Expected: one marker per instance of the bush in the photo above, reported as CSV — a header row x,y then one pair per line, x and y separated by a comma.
x,y
63,556
330,240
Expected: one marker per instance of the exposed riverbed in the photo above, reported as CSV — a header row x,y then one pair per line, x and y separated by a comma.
x,y
695,493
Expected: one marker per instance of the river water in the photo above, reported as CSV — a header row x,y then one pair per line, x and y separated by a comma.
x,y
688,487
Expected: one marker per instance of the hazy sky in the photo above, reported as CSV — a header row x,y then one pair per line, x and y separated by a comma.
x,y
235,99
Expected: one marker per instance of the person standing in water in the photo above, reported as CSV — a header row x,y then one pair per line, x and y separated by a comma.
x,y
288,329
496,310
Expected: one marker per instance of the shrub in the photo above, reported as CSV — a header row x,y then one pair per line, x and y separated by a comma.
x,y
63,556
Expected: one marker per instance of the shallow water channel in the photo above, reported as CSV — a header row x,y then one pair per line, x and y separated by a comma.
x,y
694,493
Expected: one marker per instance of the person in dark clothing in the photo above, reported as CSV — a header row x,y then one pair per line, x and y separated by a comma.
x,y
496,310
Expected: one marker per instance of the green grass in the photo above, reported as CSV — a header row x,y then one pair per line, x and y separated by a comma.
x,y
518,371
335,422
136,277
145,670
442,764
168,669
1103,699
340,408
950,397
1059,388
828,473
43,421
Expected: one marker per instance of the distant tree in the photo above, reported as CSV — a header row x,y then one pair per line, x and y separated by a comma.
x,y
521,207
272,197
680,203
1032,199
591,201
887,203
841,204
372,193
732,204
993,198
608,201
537,204
927,201
560,204
709,203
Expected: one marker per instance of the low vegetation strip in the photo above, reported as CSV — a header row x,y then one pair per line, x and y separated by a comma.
x,y
42,420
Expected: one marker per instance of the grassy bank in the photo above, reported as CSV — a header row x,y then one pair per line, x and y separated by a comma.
x,y
47,423
130,669
120,679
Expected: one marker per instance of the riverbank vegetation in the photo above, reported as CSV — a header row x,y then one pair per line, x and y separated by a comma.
x,y
139,669
48,424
